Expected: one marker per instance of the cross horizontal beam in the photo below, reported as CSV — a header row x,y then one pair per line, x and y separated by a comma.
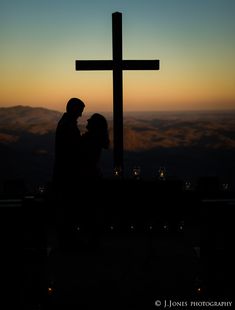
x,y
123,65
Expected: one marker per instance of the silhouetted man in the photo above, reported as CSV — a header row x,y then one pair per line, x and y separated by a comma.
x,y
67,146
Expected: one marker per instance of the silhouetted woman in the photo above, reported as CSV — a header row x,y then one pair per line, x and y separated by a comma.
x,y
93,141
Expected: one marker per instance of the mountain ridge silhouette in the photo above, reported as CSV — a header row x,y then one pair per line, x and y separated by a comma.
x,y
188,144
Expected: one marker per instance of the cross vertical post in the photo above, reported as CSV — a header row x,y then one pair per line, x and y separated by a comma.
x,y
117,92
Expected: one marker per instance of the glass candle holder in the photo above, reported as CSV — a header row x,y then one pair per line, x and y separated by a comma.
x,y
136,172
187,185
162,173
117,172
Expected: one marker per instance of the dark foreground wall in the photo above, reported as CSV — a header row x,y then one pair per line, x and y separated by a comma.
x,y
121,244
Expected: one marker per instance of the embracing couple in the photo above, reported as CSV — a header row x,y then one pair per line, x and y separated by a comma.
x,y
77,156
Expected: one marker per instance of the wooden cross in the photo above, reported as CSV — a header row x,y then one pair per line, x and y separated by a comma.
x,y
117,65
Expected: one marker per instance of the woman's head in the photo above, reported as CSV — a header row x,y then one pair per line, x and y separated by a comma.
x,y
97,122
98,125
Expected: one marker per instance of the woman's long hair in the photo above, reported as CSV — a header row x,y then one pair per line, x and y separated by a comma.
x,y
98,127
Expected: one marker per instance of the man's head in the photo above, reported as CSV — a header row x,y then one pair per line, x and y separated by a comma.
x,y
75,107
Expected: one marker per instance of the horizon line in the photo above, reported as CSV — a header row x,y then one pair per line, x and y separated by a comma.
x,y
128,111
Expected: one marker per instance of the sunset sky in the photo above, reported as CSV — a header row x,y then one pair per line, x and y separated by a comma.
x,y
193,39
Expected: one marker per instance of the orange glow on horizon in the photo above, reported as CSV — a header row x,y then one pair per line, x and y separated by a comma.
x,y
141,91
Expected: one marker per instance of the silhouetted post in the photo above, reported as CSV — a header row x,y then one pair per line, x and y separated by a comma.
x,y
117,65
117,91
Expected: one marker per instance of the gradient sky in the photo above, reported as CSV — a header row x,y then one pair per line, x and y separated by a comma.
x,y
194,40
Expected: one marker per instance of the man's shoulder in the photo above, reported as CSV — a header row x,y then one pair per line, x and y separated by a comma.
x,y
64,121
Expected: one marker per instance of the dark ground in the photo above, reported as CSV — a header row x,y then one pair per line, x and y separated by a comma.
x,y
126,244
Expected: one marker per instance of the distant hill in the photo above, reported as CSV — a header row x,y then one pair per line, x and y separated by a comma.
x,y
141,131
25,118
27,143
214,130
188,144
